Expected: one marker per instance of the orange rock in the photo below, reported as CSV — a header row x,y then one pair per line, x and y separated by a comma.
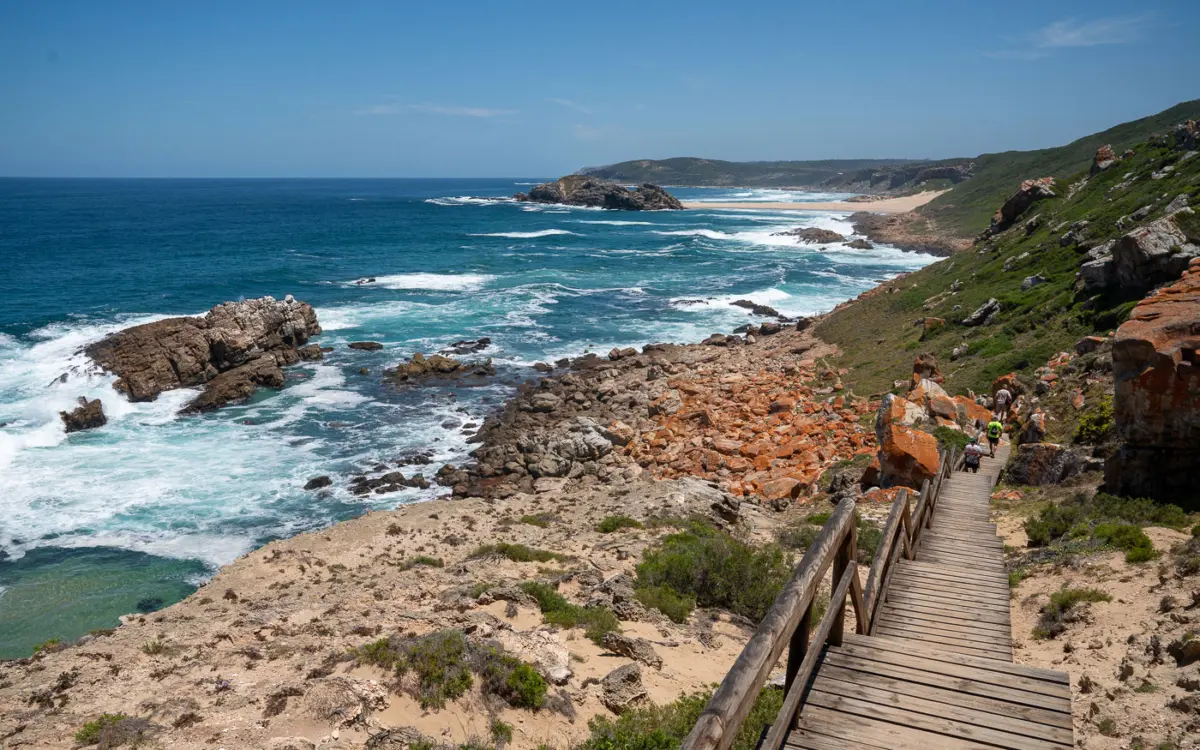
x,y
943,406
970,413
907,456
782,488
726,446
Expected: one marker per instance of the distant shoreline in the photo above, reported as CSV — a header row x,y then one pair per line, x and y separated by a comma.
x,y
900,205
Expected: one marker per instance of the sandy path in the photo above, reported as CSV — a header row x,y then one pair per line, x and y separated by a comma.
x,y
884,206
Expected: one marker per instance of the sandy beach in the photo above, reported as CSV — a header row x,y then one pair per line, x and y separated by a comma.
x,y
900,205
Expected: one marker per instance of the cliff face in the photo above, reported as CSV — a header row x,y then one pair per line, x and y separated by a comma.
x,y
1157,401
581,190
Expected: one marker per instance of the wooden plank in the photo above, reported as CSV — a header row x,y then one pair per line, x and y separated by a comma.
x,y
978,533
1020,670
953,593
856,731
718,725
904,617
855,656
958,561
952,577
899,627
991,557
997,587
893,527
974,648
945,725
802,739
999,720
950,614
983,604
923,568
1060,719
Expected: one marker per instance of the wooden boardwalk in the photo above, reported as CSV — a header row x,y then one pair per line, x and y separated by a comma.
x,y
929,664
937,671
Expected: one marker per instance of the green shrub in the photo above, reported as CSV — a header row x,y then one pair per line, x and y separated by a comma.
x,y
439,661
556,610
526,686
671,603
819,519
615,523
1096,424
802,535
503,674
1076,516
798,536
48,646
541,520
113,730
951,439
1196,531
501,732
717,569
1059,610
518,553
665,727
422,561
1128,538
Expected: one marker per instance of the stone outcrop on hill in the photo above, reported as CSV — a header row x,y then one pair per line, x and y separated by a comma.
x,y
88,415
1045,463
1157,398
1030,192
1104,159
233,349
581,190
1144,257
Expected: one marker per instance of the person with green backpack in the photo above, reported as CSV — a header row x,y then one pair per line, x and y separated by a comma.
x,y
994,430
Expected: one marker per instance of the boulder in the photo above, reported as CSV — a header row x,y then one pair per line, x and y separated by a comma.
x,y
437,365
1044,463
638,649
860,244
1156,404
622,689
1030,192
1033,429
895,409
925,366
1103,159
907,456
261,334
582,190
666,404
317,483
970,413
88,415
468,347
812,235
1029,282
1089,344
757,309
1155,253
985,314
366,346
542,648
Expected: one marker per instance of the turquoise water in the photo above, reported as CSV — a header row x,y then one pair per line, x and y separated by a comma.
x,y
98,523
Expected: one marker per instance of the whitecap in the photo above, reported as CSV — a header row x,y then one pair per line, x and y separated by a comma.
x,y
617,223
434,282
468,200
526,235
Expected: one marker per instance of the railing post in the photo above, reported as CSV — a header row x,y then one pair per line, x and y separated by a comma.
x,y
798,647
846,554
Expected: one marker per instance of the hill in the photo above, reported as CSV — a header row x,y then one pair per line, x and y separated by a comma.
x,y
966,210
716,173
1030,271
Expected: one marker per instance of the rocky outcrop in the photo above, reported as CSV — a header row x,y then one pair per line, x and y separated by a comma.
x,y
581,190
907,456
1156,368
88,415
1155,253
984,315
622,689
233,349
814,235
1045,463
1104,159
860,244
419,366
1030,192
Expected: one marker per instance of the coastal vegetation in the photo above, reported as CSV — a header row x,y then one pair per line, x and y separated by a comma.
x,y
664,727
556,610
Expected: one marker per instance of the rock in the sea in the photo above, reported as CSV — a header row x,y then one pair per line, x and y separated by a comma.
x,y
757,309
1030,192
985,314
622,689
1156,404
860,244
581,190
256,335
86,416
317,483
468,347
1045,463
420,366
815,235
366,346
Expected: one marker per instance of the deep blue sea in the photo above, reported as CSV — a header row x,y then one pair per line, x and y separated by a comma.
x,y
134,515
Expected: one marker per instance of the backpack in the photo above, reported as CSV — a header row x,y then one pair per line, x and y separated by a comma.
x,y
972,459
995,429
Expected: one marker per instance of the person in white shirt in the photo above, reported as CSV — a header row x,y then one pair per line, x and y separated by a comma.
x,y
1004,399
972,455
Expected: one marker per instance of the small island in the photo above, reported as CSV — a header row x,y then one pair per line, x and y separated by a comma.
x,y
581,190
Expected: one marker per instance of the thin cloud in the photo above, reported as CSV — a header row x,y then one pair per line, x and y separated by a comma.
x,y
396,108
571,104
1073,33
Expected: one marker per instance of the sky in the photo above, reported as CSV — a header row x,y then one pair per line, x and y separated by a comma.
x,y
398,88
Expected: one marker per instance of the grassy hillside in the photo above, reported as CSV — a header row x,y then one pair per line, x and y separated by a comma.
x,y
878,335
714,172
967,209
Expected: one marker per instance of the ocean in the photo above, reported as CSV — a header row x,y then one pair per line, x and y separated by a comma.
x,y
133,516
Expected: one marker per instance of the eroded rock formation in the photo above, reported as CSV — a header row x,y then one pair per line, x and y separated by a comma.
x,y
1157,397
233,349
581,190
1030,192
86,416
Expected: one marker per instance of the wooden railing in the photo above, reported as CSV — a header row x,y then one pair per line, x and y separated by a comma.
x,y
789,621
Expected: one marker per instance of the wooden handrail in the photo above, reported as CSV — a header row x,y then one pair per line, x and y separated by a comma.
x,y
789,621
719,723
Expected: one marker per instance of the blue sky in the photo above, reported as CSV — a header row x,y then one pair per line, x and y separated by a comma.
x,y
408,89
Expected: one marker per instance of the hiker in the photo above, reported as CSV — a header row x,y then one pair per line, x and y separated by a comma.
x,y
972,455
1004,399
995,429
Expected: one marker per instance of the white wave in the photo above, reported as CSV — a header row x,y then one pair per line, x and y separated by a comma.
x,y
526,235
766,238
434,282
768,195
468,200
616,223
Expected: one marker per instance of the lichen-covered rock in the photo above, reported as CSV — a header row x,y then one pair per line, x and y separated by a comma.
x,y
262,334
638,649
88,415
1155,253
1030,192
1044,463
926,366
985,314
906,456
1156,368
1104,159
622,688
